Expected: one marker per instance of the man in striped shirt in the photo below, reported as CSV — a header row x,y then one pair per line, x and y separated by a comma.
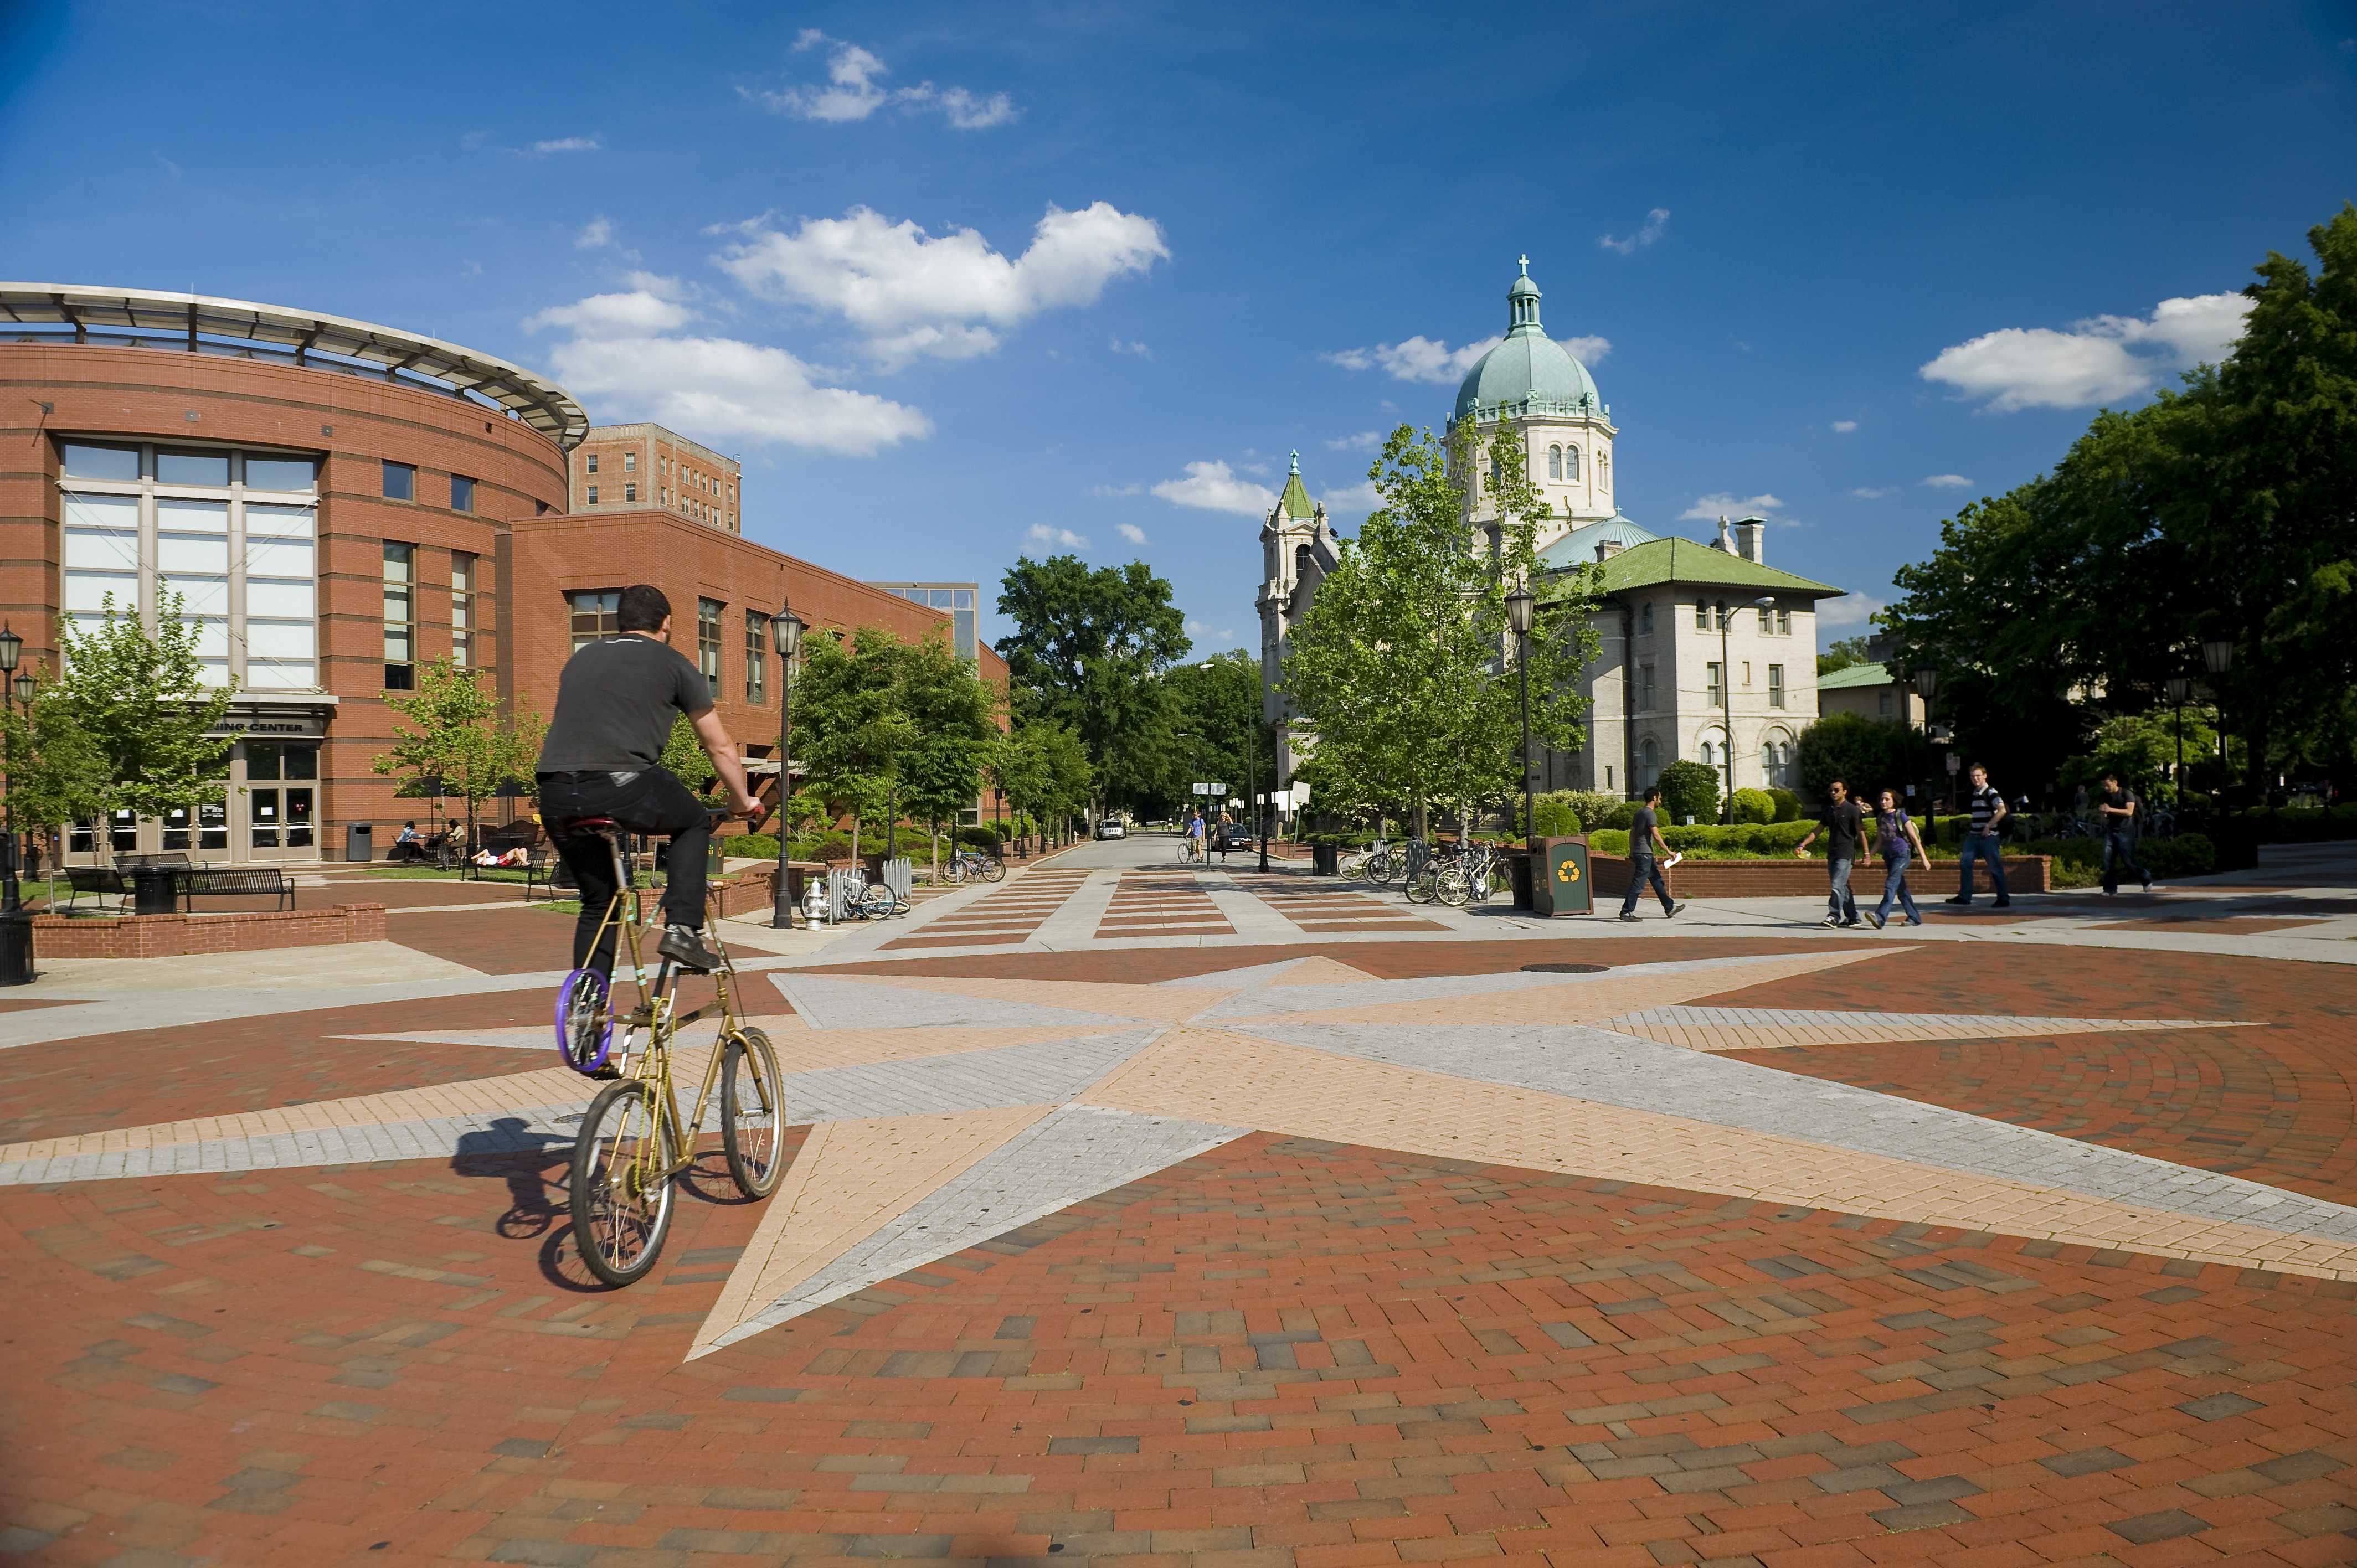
x,y
1988,814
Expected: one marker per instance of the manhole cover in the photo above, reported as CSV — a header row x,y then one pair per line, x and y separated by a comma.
x,y
1565,967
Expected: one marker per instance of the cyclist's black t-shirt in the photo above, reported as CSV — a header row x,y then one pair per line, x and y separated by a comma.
x,y
615,705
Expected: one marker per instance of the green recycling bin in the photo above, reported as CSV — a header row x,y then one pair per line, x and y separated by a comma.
x,y
1563,889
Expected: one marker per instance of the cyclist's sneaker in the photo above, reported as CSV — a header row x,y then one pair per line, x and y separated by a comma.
x,y
604,1069
683,945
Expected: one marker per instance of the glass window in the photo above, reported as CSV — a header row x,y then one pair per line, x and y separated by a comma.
x,y
596,615
1701,616
1783,623
101,557
83,462
593,462
1767,618
1554,462
1775,685
1571,463
262,760
961,631
192,562
756,657
400,482
462,493
963,599
281,474
192,469
629,462
630,492
400,617
593,495
462,610
1722,615
1882,703
1716,700
1645,616
707,642
1645,688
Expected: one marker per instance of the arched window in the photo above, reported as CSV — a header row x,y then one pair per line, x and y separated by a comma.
x,y
1571,464
1645,616
1300,562
1554,462
1604,470
1653,761
1497,470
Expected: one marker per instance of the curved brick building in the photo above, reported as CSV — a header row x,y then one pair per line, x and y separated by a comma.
x,y
337,503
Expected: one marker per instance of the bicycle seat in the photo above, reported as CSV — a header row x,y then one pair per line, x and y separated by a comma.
x,y
588,824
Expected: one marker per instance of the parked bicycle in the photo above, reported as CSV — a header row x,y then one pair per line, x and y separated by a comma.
x,y
632,1140
973,866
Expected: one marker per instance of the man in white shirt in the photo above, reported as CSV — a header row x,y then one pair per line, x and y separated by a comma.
x,y
1984,839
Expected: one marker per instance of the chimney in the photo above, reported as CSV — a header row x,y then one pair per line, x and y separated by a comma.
x,y
1607,548
1751,540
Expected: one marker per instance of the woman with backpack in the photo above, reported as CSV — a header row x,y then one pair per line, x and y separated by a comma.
x,y
1894,834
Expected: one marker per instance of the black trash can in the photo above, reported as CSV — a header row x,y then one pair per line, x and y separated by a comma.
x,y
360,842
15,950
153,891
1518,872
1326,859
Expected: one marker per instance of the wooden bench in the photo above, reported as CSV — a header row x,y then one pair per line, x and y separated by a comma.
x,y
196,882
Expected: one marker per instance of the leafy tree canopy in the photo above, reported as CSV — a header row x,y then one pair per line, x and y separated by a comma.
x,y
1086,648
1847,653
141,699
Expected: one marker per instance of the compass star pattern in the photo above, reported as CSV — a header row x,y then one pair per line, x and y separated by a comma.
x,y
946,1111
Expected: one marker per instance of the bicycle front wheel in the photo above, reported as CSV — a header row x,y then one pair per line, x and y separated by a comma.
x,y
751,1113
622,1189
584,1028
994,871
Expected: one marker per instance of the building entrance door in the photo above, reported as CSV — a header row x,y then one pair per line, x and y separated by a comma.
x,y
281,795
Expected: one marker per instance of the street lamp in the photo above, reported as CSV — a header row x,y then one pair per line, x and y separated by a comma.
x,y
2218,654
2180,688
1727,706
786,637
1927,682
1522,610
12,649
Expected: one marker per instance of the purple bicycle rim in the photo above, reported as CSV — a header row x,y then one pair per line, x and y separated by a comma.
x,y
605,1041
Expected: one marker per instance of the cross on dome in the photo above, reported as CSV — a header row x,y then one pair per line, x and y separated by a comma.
x,y
1526,266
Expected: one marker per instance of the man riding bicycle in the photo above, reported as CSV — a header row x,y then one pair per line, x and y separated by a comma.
x,y
615,703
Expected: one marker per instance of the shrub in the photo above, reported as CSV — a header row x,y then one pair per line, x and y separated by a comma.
x,y
1755,806
981,836
1553,818
1594,807
1609,841
744,846
2187,854
1689,790
1788,805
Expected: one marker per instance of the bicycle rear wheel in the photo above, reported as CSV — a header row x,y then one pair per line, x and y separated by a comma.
x,y
751,1113
622,1188
584,1028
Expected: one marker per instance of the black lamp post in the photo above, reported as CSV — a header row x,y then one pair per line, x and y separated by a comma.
x,y
2218,655
1521,607
12,649
786,637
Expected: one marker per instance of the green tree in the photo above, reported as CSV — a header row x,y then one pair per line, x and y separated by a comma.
x,y
848,726
951,726
1689,790
142,701
56,772
1044,768
451,731
1844,654
1403,664
1215,716
1086,649
684,757
1865,753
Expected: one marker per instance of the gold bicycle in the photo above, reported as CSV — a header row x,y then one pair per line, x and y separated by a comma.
x,y
633,1142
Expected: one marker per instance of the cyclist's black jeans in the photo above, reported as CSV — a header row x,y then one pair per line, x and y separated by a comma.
x,y
650,801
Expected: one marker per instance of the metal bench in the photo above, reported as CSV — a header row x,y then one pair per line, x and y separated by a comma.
x,y
196,882
100,881
548,871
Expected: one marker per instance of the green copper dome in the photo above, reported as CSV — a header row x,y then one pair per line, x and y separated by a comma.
x,y
1528,369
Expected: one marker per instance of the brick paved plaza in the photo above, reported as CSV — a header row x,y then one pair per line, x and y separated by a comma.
x,y
1155,1218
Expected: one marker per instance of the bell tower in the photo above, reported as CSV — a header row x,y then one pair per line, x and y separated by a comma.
x,y
1297,552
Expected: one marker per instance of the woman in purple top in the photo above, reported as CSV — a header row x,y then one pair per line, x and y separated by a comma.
x,y
1894,833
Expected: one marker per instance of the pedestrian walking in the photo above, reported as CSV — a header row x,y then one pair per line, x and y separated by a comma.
x,y
1841,824
2123,814
1195,835
1644,836
1989,812
1894,835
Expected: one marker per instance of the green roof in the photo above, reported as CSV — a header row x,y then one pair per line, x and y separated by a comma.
x,y
1856,675
1668,561
1296,498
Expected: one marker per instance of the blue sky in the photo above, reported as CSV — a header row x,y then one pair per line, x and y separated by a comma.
x,y
959,281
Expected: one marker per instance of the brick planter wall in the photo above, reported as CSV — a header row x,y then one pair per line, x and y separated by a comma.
x,y
1786,878
170,936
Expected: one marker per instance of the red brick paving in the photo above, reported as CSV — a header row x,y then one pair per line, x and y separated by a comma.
x,y
1386,961
515,940
1280,1354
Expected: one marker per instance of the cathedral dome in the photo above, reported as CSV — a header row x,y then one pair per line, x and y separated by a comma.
x,y
1529,367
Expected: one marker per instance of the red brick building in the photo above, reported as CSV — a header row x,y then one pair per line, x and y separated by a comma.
x,y
336,503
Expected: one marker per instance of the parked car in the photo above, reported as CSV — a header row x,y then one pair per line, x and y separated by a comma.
x,y
1109,828
1239,836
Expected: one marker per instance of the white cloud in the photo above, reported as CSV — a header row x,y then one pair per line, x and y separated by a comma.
x,y
1420,359
1845,425
621,354
567,145
1129,490
949,297
1351,501
1710,509
1868,493
1654,221
1946,482
1140,349
1586,351
1364,441
595,234
1048,537
1133,534
1850,610
1201,632
1215,488
2096,361
852,93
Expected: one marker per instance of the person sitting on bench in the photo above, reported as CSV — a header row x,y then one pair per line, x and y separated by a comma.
x,y
615,706
409,846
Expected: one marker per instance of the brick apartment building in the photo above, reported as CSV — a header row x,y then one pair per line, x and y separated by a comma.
x,y
336,503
